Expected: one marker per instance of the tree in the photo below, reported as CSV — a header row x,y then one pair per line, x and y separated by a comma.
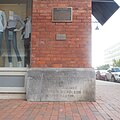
x,y
103,67
116,63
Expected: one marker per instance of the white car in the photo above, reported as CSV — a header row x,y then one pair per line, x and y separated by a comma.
x,y
113,74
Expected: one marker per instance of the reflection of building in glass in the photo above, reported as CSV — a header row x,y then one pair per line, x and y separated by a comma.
x,y
112,53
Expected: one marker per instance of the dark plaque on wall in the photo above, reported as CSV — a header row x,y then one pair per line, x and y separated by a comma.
x,y
61,37
62,14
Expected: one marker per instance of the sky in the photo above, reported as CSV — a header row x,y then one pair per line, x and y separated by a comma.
x,y
106,36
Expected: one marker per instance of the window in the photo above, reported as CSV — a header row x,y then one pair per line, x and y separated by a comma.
x,y
15,33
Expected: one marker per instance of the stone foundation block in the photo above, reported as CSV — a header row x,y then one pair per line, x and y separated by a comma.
x,y
60,84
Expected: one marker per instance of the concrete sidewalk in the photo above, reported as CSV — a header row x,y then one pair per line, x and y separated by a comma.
x,y
106,107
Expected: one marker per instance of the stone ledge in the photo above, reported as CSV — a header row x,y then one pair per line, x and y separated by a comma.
x,y
60,84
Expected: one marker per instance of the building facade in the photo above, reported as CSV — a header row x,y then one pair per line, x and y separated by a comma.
x,y
112,53
53,63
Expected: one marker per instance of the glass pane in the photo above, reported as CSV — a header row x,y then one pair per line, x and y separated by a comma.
x,y
15,35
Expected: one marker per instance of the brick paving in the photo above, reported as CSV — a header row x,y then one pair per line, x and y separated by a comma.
x,y
106,107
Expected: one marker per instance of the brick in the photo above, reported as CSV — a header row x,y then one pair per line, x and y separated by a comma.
x,y
44,32
106,107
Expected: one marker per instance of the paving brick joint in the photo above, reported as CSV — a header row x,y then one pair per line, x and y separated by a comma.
x,y
106,107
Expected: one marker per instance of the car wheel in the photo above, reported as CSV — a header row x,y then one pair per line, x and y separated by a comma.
x,y
106,78
112,79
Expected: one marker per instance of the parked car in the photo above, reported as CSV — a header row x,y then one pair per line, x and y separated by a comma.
x,y
113,74
100,74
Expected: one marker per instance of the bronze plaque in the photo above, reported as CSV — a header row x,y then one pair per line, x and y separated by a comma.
x,y
62,14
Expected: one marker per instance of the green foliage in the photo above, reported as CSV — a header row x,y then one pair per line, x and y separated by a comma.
x,y
103,67
116,63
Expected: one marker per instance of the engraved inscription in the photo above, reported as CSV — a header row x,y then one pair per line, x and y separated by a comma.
x,y
57,85
59,88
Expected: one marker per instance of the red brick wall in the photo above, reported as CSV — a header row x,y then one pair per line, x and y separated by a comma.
x,y
75,52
